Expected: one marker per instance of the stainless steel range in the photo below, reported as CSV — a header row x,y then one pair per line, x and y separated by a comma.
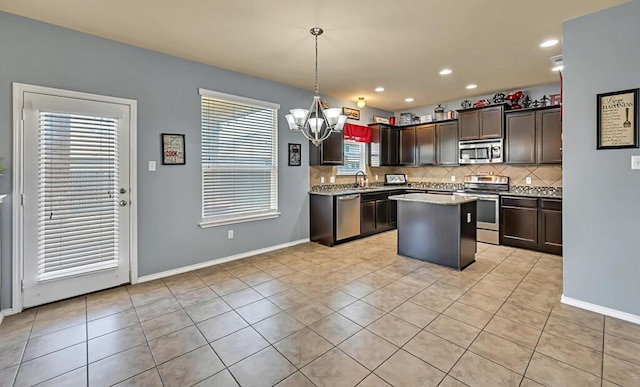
x,y
486,189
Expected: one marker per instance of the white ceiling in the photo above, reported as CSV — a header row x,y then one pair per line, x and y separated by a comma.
x,y
401,44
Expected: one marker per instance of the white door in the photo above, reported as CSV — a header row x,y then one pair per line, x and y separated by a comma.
x,y
76,209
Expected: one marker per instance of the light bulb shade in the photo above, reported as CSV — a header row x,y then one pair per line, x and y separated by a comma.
x,y
332,115
341,121
315,124
299,116
292,122
361,102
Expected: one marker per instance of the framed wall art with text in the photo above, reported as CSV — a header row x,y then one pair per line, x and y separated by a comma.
x,y
618,119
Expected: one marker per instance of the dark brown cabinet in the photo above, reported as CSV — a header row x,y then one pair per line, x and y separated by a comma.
x,y
367,217
531,223
408,145
481,123
384,146
375,213
426,144
329,152
533,136
447,143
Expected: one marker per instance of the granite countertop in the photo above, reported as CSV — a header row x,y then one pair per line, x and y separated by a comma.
x,y
452,200
534,194
350,191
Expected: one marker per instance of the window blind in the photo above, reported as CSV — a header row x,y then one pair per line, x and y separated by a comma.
x,y
239,159
77,194
354,158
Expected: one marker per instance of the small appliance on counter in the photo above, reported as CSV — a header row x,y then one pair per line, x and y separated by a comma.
x,y
395,179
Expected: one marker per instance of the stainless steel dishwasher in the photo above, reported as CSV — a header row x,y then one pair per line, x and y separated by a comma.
x,y
347,216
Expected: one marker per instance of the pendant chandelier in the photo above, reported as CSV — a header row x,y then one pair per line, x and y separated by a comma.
x,y
316,123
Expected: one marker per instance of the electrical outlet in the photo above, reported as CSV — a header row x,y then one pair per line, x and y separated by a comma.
x,y
332,179
321,179
453,178
376,177
230,234
152,166
635,162
527,180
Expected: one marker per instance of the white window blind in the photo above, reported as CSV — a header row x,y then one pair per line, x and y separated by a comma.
x,y
239,159
354,158
77,194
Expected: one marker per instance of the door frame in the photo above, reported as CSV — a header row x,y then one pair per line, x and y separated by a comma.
x,y
18,180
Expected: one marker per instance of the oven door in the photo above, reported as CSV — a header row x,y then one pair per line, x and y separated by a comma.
x,y
488,210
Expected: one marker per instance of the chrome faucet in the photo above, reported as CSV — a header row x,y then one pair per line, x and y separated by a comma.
x,y
364,176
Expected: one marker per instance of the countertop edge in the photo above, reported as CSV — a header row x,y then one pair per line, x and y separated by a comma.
x,y
433,199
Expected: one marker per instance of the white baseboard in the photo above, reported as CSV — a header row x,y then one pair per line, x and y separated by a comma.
x,y
218,261
6,312
601,309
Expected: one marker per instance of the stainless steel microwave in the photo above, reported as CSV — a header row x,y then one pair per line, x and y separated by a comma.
x,y
480,152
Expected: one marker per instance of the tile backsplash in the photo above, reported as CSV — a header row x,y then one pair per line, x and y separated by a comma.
x,y
541,175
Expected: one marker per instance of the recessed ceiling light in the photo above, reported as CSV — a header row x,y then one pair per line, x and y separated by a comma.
x,y
408,99
558,68
549,43
445,71
379,89
471,86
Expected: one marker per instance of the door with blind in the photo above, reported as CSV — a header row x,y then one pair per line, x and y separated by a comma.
x,y
76,187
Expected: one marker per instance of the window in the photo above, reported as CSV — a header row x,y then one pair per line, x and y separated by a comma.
x,y
355,155
239,159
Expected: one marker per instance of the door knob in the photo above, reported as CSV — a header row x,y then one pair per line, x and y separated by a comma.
x,y
123,203
123,190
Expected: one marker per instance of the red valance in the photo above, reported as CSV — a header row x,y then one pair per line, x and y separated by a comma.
x,y
357,133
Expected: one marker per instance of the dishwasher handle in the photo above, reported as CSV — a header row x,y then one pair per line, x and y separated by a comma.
x,y
349,197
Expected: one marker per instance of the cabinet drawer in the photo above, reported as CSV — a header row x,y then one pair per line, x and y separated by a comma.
x,y
374,196
519,202
551,204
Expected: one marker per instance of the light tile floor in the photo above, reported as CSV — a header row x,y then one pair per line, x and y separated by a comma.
x,y
355,314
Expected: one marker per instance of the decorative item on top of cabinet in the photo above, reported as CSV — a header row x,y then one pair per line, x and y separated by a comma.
x,y
481,123
533,136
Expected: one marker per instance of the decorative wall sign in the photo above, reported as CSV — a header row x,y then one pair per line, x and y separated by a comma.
x,y
617,119
354,114
295,155
173,152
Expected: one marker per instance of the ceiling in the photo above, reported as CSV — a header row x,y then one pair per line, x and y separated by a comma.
x,y
400,45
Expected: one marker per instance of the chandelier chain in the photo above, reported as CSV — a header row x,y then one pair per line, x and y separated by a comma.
x,y
317,90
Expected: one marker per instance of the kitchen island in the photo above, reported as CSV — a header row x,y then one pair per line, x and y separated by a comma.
x,y
440,229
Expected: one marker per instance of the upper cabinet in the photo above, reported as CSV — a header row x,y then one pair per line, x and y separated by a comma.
x,y
447,143
329,152
408,146
383,149
534,136
481,123
426,144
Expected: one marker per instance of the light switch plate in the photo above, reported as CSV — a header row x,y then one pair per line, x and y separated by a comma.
x,y
152,166
321,179
635,162
453,178
332,179
527,180
376,177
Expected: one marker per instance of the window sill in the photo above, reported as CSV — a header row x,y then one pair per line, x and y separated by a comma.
x,y
238,219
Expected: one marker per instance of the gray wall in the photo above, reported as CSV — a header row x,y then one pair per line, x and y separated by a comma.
x,y
166,89
601,192
536,92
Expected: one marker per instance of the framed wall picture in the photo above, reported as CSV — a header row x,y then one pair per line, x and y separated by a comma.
x,y
380,120
173,151
295,155
354,114
618,119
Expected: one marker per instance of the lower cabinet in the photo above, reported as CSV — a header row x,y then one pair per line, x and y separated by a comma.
x,y
531,223
375,213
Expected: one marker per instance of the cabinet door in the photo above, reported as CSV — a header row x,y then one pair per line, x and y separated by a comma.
x,y
469,123
549,136
519,225
389,143
426,144
551,230
408,146
329,152
382,214
491,122
393,212
520,138
367,217
447,140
